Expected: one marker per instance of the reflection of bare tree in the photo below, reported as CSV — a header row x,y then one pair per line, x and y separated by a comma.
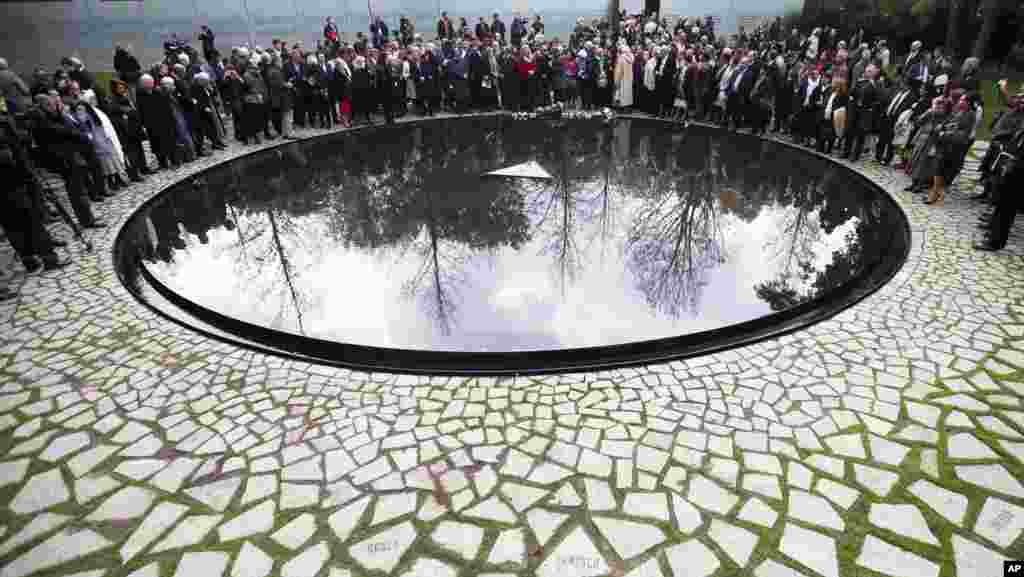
x,y
674,243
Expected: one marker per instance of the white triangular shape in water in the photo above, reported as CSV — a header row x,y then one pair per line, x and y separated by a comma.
x,y
529,169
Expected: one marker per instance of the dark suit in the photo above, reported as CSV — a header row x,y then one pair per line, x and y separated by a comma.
x,y
865,102
900,101
66,150
809,113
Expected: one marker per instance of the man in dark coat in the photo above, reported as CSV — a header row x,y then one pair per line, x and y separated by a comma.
x,y
64,149
126,65
445,28
21,208
902,99
498,29
810,99
206,115
207,38
865,101
158,119
295,74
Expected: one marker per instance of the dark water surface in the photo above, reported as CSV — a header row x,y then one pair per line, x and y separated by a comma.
x,y
390,237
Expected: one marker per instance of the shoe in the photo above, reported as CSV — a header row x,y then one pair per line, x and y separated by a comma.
x,y
55,262
7,294
96,224
109,194
986,247
138,178
59,242
31,264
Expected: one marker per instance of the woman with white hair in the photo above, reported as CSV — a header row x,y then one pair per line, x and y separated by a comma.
x,y
104,139
624,76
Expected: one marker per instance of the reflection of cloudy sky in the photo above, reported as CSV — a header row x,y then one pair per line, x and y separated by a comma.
x,y
511,300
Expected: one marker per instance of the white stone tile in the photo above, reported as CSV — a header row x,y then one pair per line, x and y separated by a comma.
x,y
431,567
878,481
799,476
851,445
127,503
762,463
383,550
344,520
649,505
692,559
775,569
971,558
708,495
811,549
151,570
309,562
492,509
509,548
544,523
967,446
257,487
216,495
766,485
628,538
575,556
737,542
59,549
40,492
299,495
393,506
882,557
39,525
13,471
297,532
189,532
839,494
522,497
887,452
461,538
64,445
212,563
814,510
1000,522
252,562
952,506
904,520
163,516
756,511
992,477
259,519
687,518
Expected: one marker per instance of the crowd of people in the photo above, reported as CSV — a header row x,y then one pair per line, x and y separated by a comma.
x,y
842,96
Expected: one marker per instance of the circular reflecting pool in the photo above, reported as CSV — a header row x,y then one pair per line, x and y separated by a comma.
x,y
596,244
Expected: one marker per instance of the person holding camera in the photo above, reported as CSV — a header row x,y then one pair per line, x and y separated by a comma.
x,y
21,212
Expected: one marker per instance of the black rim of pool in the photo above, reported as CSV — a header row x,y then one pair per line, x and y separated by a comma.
x,y
389,360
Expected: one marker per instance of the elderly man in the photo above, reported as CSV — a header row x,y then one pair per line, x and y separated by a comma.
x,y
13,89
65,149
865,101
155,114
206,116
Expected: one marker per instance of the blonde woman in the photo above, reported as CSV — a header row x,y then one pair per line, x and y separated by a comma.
x,y
624,76
832,125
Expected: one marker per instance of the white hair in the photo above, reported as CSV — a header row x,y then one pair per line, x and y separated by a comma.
x,y
166,81
146,79
3,64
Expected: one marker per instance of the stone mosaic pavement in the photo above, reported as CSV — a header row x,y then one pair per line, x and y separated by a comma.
x,y
888,440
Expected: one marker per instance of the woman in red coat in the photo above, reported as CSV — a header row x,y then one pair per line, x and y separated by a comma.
x,y
526,68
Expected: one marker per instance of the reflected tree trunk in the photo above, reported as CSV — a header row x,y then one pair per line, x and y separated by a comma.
x,y
286,268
